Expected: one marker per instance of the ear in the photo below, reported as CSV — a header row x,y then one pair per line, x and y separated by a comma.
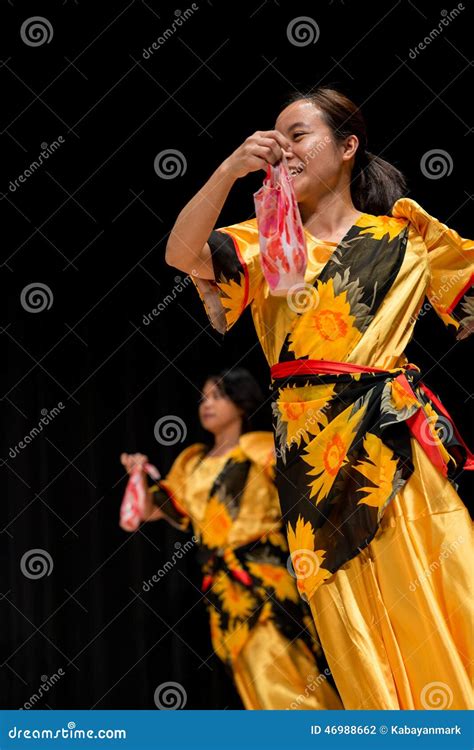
x,y
351,144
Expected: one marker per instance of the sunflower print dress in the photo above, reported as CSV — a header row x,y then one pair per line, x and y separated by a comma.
x,y
367,455
260,628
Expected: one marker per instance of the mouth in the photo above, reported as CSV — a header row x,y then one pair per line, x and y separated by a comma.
x,y
296,170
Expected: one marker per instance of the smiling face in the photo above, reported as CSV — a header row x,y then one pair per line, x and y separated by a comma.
x,y
318,162
217,411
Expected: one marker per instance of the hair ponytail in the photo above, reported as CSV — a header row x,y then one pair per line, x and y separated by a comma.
x,y
375,183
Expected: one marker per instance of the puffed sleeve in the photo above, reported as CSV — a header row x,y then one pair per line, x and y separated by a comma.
x,y
169,493
237,271
451,265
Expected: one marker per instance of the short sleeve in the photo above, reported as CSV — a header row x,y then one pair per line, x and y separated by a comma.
x,y
169,494
451,266
238,274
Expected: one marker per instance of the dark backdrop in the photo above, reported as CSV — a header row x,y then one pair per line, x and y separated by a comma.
x,y
91,224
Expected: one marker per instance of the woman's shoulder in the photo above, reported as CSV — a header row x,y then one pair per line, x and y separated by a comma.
x,y
247,229
420,220
259,447
189,453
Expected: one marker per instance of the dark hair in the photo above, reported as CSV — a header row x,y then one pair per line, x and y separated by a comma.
x,y
242,389
376,184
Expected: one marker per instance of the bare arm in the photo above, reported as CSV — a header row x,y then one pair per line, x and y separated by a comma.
x,y
187,247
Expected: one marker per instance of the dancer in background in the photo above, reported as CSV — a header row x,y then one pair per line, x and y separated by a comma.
x,y
367,454
225,492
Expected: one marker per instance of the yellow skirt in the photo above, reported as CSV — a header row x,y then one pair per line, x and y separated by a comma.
x,y
396,622
272,673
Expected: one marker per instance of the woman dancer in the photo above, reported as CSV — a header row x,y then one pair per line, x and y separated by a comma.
x,y
260,628
367,455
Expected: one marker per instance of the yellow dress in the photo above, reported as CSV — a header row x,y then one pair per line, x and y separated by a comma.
x,y
260,628
379,539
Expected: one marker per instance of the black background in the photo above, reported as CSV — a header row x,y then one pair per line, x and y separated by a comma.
x,y
91,224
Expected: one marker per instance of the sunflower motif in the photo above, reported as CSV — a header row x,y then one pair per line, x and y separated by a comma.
x,y
379,226
327,453
303,417
216,524
379,469
401,398
277,577
327,329
398,402
231,298
235,599
305,559
432,418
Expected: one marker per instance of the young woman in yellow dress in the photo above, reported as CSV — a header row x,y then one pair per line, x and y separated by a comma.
x,y
367,454
225,493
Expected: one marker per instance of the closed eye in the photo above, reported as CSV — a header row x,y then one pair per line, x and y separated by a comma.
x,y
297,134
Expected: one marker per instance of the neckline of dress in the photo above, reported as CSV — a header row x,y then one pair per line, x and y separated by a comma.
x,y
319,241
